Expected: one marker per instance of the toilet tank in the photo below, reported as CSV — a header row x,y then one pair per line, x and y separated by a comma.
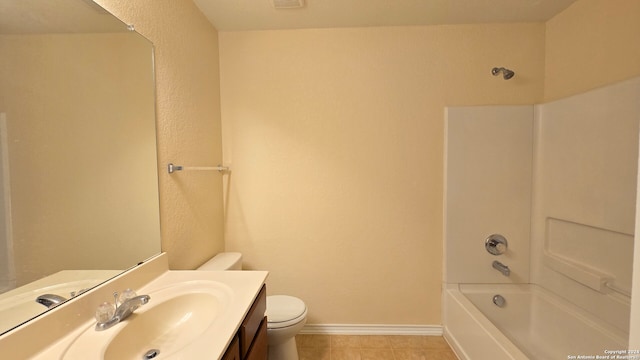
x,y
223,261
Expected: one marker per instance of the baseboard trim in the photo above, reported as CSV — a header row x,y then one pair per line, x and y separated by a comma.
x,y
367,329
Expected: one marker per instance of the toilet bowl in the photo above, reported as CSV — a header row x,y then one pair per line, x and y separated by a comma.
x,y
286,315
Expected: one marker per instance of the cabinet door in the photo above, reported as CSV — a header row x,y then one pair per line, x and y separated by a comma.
x,y
233,351
259,349
252,322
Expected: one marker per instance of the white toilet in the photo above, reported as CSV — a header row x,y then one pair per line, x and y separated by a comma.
x,y
286,315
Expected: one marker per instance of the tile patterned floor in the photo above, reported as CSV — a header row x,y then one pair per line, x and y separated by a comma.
x,y
373,347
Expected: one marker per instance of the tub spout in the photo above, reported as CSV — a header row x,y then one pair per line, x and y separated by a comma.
x,y
504,269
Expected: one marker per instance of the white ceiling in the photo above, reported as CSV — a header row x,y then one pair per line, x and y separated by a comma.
x,y
235,15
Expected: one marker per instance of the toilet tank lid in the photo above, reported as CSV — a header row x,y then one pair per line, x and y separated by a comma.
x,y
223,261
281,308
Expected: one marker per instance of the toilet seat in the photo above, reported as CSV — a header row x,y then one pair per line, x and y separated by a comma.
x,y
284,310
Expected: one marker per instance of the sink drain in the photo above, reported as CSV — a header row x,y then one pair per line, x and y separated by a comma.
x,y
151,354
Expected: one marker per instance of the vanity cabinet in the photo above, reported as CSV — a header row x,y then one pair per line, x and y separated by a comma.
x,y
233,351
258,350
250,343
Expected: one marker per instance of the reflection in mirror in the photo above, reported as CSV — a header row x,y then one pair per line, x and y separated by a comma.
x,y
78,169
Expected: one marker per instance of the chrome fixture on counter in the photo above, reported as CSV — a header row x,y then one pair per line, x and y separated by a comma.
x,y
50,300
124,305
53,300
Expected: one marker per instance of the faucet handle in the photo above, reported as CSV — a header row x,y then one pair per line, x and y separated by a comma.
x,y
126,295
496,244
105,311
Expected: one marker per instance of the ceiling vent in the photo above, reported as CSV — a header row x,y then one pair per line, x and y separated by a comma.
x,y
288,4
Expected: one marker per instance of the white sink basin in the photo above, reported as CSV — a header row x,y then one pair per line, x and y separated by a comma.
x,y
174,318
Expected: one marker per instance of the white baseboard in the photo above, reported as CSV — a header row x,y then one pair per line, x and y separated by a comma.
x,y
366,329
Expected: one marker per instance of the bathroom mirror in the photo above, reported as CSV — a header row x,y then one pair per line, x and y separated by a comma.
x,y
78,170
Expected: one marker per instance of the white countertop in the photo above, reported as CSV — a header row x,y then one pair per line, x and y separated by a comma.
x,y
51,335
244,286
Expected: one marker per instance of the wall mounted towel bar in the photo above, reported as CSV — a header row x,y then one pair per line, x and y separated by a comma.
x,y
171,168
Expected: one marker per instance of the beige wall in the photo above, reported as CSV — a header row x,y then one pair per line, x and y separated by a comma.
x,y
336,141
590,44
188,116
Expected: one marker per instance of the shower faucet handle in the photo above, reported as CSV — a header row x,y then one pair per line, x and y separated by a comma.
x,y
496,244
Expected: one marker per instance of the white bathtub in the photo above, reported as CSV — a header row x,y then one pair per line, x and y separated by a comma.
x,y
534,324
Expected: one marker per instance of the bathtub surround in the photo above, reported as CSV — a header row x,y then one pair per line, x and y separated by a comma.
x,y
583,169
588,37
584,198
488,160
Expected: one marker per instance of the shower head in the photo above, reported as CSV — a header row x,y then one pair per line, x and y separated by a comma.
x,y
506,73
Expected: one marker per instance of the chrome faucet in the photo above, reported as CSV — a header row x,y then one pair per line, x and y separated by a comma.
x,y
53,300
504,269
50,300
122,311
